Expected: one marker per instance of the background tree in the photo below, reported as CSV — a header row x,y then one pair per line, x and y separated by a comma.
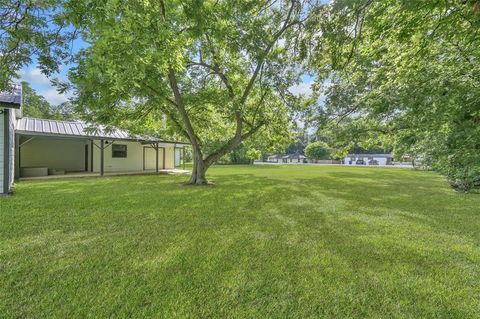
x,y
219,70
300,140
35,105
317,151
253,154
32,30
188,156
404,74
65,111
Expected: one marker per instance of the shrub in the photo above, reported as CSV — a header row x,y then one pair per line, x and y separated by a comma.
x,y
317,151
462,171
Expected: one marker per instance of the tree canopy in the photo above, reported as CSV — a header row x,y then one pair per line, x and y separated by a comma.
x,y
218,70
404,74
32,31
317,151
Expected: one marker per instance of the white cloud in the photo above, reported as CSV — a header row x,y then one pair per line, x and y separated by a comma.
x,y
42,85
34,77
53,97
302,89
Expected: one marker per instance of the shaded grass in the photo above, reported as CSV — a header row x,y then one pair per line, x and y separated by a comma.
x,y
265,241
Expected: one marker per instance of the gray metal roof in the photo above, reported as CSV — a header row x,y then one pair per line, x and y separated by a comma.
x,y
12,99
295,155
371,155
75,129
276,156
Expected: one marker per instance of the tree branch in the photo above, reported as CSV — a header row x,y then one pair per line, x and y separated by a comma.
x,y
216,69
261,60
181,109
230,145
169,113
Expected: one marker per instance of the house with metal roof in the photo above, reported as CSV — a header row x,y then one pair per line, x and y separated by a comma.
x,y
33,147
51,147
288,158
294,158
275,158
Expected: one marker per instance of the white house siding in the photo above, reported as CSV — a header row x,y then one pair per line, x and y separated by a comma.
x,y
169,155
151,156
178,157
10,163
11,129
382,160
2,149
58,154
134,159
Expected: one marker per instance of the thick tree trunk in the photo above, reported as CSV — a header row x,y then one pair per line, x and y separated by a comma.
x,y
200,165
199,170
198,176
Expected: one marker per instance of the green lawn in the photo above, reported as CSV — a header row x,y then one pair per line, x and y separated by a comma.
x,y
266,241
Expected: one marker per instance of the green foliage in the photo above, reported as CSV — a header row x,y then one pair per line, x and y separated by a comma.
x,y
239,155
253,154
35,105
32,30
462,169
317,151
404,75
188,156
298,145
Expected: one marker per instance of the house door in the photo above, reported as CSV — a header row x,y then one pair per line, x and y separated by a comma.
x,y
149,157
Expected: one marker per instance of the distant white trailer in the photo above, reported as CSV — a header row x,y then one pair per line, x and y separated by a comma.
x,y
369,159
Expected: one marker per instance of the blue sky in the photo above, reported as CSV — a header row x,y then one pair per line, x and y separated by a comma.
x,y
41,83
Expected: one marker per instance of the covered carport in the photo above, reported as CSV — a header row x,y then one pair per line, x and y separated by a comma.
x,y
51,147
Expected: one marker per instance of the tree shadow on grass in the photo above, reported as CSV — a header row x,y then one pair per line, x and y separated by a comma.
x,y
332,243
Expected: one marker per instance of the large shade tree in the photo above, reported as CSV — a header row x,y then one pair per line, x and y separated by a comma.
x,y
217,72
404,74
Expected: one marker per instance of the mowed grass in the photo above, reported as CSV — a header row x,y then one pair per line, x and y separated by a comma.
x,y
264,242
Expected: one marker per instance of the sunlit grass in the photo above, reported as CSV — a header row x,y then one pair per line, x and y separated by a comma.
x,y
265,241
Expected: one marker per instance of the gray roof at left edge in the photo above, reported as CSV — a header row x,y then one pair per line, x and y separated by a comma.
x,y
12,99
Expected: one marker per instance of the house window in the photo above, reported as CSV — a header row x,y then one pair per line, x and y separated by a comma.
x,y
119,150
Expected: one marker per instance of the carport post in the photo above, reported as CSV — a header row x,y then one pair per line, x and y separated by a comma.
x,y
91,156
102,150
156,156
183,156
17,156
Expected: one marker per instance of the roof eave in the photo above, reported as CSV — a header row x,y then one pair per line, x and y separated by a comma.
x,y
10,105
94,137
86,137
